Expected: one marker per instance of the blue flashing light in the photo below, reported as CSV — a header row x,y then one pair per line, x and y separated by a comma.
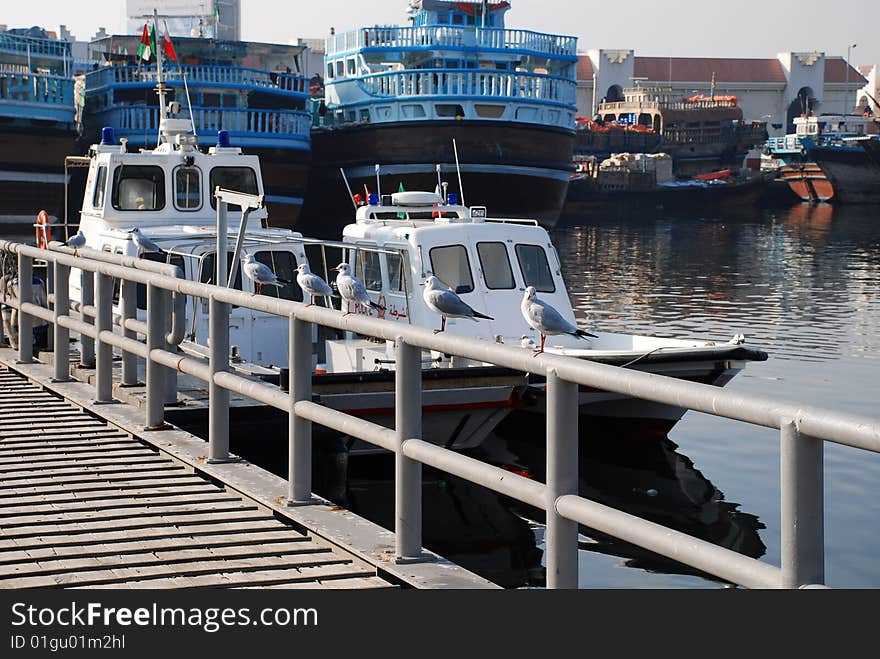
x,y
108,135
373,199
452,199
223,138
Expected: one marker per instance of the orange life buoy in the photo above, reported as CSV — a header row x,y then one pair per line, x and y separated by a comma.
x,y
43,230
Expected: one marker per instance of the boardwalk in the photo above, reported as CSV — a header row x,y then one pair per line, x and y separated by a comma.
x,y
83,504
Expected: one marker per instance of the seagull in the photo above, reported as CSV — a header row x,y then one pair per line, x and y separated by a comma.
x,y
77,241
261,274
445,302
144,245
544,318
352,289
312,284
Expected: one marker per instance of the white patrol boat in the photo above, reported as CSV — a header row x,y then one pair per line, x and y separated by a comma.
x,y
489,263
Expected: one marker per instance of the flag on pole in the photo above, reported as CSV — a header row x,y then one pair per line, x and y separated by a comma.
x,y
216,13
153,39
167,46
144,51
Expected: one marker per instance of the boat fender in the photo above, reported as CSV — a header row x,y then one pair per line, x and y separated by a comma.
x,y
43,230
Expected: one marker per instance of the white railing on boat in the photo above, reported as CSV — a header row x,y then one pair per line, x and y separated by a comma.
x,y
445,36
278,123
802,429
443,82
221,76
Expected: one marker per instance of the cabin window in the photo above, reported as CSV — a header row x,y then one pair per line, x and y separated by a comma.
x,y
395,273
535,268
350,66
141,288
187,188
412,111
339,69
139,188
100,187
330,71
368,270
496,265
449,110
283,264
239,179
457,19
208,270
450,265
490,111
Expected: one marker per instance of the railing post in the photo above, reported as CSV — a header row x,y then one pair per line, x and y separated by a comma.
x,y
61,335
25,322
218,410
50,288
155,372
170,373
128,307
299,478
87,343
103,350
803,510
408,473
562,478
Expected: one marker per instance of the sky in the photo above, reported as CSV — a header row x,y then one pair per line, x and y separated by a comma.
x,y
674,28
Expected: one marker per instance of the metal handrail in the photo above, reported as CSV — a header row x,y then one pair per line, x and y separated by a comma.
x,y
803,429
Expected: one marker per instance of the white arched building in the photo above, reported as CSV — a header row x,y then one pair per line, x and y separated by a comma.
x,y
773,90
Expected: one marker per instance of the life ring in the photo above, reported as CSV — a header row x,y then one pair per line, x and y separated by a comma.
x,y
43,230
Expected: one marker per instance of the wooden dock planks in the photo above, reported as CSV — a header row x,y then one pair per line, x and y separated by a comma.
x,y
85,505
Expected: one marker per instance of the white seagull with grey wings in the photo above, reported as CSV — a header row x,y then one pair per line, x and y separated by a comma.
x,y
77,241
546,320
312,284
351,289
445,302
144,245
261,274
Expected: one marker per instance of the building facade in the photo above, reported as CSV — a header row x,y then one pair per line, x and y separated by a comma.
x,y
774,90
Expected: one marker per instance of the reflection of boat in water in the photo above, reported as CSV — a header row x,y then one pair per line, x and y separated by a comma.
x,y
648,479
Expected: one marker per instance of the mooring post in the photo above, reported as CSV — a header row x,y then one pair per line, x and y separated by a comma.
x,y
103,350
803,509
155,372
25,322
87,343
408,472
128,308
218,411
61,334
562,479
299,429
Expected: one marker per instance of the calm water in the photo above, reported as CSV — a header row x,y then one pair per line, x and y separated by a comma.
x,y
802,284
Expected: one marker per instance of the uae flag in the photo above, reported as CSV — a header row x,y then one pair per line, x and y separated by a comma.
x,y
145,48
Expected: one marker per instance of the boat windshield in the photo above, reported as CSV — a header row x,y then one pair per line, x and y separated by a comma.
x,y
240,179
450,265
139,188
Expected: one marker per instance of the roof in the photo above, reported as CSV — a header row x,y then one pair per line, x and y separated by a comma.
x,y
696,69
835,71
584,68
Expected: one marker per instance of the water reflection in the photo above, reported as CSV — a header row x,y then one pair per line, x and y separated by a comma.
x,y
801,283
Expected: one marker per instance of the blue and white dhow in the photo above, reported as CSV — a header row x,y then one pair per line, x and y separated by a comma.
x,y
250,90
37,128
406,98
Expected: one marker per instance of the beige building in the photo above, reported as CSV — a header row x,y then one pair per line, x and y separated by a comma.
x,y
774,90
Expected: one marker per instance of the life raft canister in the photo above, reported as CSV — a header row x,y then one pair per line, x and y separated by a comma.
x,y
43,230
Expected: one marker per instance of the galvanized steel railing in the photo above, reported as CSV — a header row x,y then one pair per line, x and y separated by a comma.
x,y
200,75
803,429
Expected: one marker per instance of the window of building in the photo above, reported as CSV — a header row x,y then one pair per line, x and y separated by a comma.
x,y
187,188
100,187
138,188
240,179
496,265
535,268
450,265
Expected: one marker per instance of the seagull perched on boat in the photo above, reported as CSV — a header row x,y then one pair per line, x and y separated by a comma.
x,y
546,320
352,289
144,245
446,302
261,274
312,284
77,241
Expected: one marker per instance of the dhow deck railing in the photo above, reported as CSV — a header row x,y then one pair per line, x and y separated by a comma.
x,y
802,429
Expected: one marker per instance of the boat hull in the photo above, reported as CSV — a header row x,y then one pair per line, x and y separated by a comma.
x,y
854,170
515,170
